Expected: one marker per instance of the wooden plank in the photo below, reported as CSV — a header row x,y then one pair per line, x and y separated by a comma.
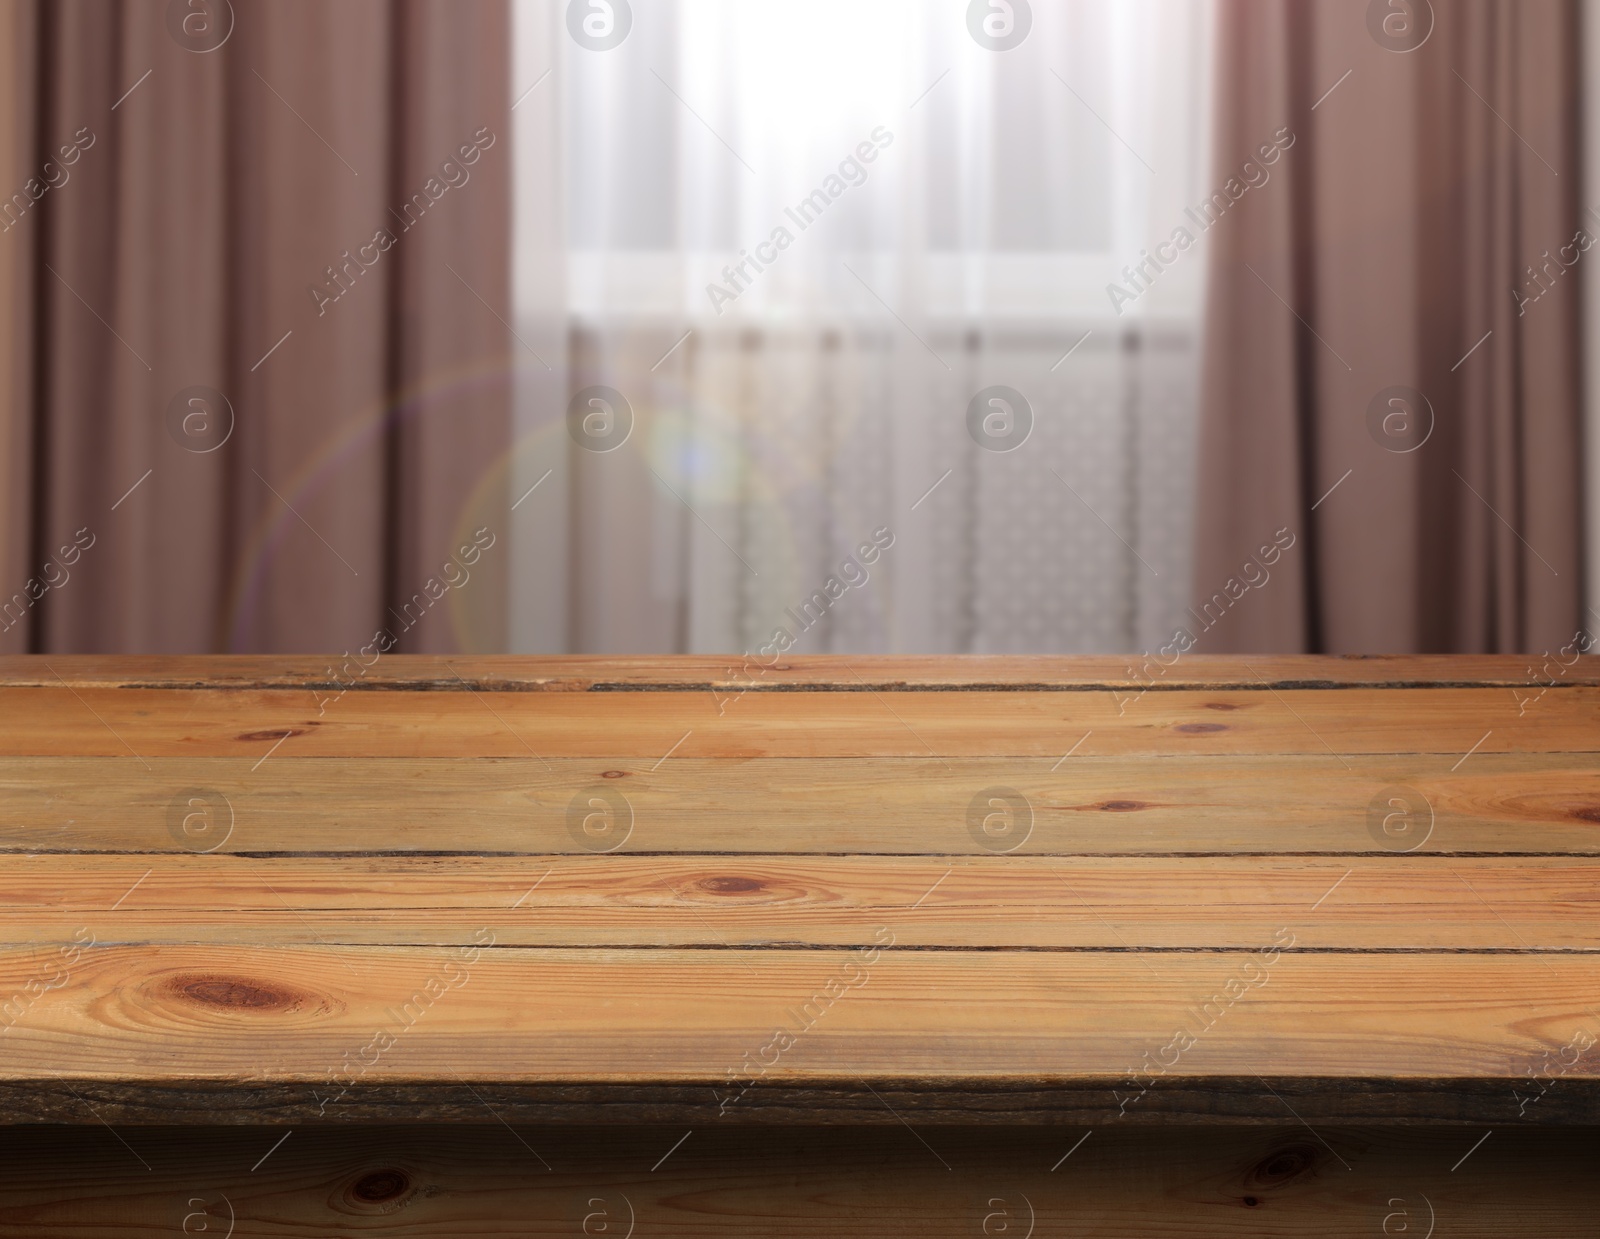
x,y
432,1183
1159,904
1522,803
584,673
307,1029
650,727
940,1101
796,905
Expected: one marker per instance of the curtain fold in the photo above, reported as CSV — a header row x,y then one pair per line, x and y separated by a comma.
x,y
256,281
1390,400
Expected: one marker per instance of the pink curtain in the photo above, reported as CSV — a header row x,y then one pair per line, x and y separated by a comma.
x,y
254,278
1391,403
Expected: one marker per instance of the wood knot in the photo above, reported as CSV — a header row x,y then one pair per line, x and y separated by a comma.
x,y
277,733
1200,729
1121,806
381,1186
1283,1165
235,993
731,885
1589,813
613,774
1221,705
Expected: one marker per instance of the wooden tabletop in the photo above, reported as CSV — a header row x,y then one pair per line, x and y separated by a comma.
x,y
947,890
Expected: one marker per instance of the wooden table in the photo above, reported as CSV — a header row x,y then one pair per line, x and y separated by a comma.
x,y
964,911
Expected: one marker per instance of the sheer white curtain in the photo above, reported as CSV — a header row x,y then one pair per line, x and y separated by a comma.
x,y
799,239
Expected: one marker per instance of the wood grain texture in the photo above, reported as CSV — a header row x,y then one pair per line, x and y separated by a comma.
x,y
1362,903
444,1183
644,728
589,672
996,891
1521,803
340,1019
